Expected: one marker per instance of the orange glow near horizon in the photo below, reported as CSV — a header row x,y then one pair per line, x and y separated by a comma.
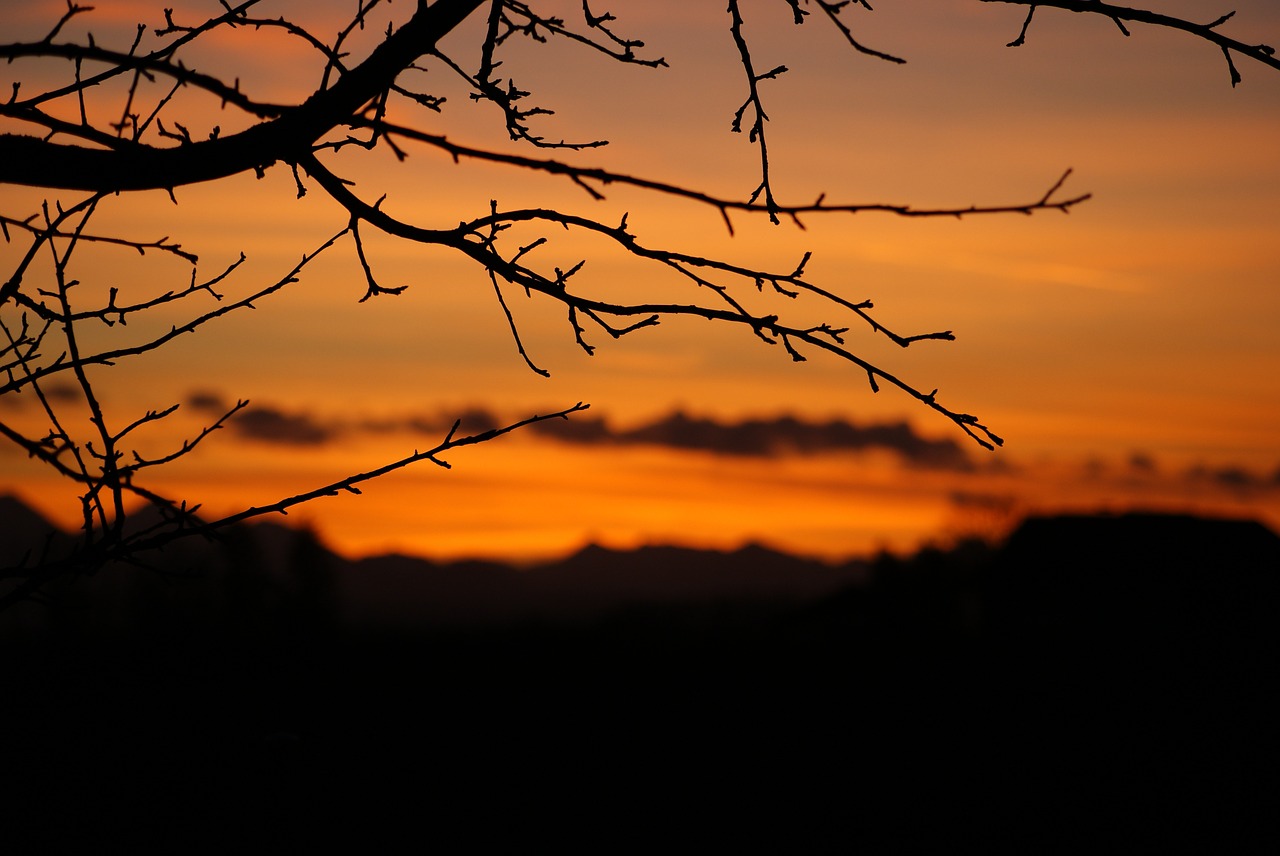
x,y
522,499
1141,327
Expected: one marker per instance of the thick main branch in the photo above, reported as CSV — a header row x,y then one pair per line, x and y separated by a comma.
x,y
39,163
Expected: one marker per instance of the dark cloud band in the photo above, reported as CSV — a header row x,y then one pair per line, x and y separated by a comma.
x,y
782,435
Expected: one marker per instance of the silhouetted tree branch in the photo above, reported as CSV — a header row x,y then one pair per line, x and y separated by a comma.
x,y
1262,53
363,101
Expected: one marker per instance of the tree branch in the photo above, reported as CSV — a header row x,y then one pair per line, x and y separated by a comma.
x,y
35,162
1262,53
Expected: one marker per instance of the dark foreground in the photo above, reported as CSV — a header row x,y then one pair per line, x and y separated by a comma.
x,y
1096,685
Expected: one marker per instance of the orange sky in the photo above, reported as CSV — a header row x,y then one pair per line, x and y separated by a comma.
x,y
1127,351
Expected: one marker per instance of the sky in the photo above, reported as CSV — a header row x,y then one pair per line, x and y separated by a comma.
x,y
1126,351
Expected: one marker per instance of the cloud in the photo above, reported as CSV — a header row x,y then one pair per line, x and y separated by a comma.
x,y
1001,503
1228,476
62,391
276,426
473,420
56,392
1232,477
270,423
764,437
1142,463
759,438
207,402
266,423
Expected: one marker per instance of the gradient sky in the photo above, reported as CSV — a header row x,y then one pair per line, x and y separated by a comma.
x,y
1126,351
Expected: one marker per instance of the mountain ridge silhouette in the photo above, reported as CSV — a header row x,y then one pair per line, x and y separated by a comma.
x,y
1049,566
1081,688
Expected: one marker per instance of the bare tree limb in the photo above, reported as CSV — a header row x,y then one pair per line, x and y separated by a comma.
x,y
1262,53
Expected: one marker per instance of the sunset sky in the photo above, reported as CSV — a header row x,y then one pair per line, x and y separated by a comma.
x,y
1127,351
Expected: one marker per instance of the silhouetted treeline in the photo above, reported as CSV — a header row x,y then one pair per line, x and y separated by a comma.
x,y
1095,684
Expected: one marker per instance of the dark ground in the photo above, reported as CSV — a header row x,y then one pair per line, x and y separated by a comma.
x,y
1096,685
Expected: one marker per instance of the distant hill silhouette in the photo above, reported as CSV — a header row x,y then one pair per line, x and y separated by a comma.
x,y
406,592
25,534
589,583
1181,578
1095,684
1097,574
